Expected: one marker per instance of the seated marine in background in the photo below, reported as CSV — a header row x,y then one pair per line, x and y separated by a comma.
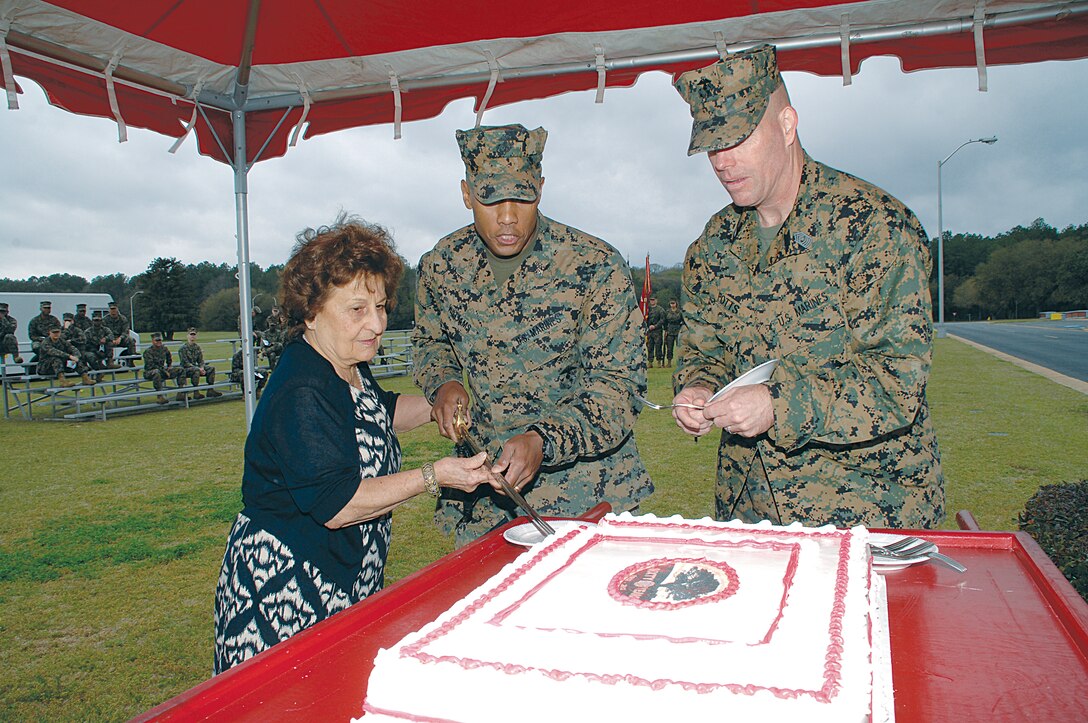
x,y
191,358
57,356
159,366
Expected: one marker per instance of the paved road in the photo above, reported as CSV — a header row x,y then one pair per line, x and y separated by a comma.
x,y
1058,345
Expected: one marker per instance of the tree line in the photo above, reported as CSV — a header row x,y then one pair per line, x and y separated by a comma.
x,y
1016,274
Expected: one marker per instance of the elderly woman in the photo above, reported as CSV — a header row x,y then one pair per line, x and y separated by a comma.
x,y
322,460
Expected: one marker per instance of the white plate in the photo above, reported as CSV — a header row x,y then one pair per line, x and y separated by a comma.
x,y
526,535
881,563
755,375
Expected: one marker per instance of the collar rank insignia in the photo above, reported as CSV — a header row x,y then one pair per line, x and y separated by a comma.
x,y
803,240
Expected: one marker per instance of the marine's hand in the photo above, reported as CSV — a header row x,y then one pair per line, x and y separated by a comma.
x,y
521,458
465,474
746,411
691,420
444,409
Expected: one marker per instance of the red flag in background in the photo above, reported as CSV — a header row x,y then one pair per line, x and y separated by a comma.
x,y
644,300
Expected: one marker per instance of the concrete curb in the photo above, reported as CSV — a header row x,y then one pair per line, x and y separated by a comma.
x,y
1075,384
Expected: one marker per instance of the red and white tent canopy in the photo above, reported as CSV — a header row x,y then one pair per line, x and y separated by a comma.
x,y
334,64
248,78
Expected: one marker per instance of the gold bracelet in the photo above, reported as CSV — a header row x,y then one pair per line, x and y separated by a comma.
x,y
430,481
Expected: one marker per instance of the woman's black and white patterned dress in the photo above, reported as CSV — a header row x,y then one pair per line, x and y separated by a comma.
x,y
283,569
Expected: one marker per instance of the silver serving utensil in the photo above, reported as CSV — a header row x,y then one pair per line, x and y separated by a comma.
x,y
654,405
903,543
463,435
912,547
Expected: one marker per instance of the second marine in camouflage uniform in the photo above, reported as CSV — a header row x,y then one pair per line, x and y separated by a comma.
x,y
674,319
191,359
100,342
555,348
839,295
158,367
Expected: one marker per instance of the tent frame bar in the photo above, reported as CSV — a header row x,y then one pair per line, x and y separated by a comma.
x,y
823,40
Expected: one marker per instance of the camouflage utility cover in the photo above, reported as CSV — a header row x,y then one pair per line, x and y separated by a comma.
x,y
728,99
557,347
842,300
503,162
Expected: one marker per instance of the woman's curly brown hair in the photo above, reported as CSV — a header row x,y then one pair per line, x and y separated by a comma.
x,y
332,256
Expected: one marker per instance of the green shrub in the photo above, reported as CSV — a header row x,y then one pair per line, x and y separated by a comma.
x,y
1057,517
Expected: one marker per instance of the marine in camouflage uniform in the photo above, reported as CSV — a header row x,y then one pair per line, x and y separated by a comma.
x,y
75,336
9,344
274,334
118,325
55,353
39,327
81,321
191,359
549,338
838,294
99,340
238,374
674,319
159,366
655,332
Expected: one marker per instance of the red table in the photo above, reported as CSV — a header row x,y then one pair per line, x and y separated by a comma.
x,y
1008,640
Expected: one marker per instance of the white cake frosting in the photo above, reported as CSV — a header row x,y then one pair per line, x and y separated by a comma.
x,y
640,618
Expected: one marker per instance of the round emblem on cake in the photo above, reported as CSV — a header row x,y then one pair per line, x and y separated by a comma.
x,y
670,583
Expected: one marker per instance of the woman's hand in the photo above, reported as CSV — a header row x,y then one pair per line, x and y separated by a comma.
x,y
465,474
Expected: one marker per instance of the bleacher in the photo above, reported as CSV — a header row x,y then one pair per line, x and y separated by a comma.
x,y
115,391
395,356
125,391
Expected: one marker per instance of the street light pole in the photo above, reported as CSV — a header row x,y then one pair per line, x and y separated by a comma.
x,y
940,230
131,313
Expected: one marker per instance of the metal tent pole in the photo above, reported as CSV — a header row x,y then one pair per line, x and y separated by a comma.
x,y
245,293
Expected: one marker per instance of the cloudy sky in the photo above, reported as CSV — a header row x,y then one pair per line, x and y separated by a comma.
x,y
74,200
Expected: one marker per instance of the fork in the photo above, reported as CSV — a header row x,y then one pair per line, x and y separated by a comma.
x,y
914,547
902,544
654,405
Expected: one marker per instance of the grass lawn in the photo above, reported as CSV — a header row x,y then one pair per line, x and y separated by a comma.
x,y
113,531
